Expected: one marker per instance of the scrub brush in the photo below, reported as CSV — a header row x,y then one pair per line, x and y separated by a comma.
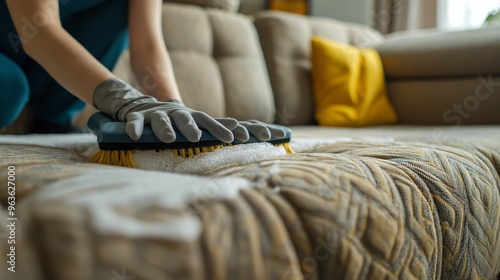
x,y
116,146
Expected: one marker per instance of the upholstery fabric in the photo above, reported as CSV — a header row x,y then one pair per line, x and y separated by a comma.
x,y
433,54
348,85
285,40
450,101
420,202
217,70
344,210
228,5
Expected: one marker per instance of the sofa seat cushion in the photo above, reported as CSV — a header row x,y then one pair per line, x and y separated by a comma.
x,y
351,209
437,133
434,54
228,5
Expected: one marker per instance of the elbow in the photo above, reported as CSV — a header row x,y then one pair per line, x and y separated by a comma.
x,y
18,42
28,48
29,37
26,33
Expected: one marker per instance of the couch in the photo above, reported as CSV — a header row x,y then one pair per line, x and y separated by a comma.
x,y
419,199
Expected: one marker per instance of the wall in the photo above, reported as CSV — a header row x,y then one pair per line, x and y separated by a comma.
x,y
346,10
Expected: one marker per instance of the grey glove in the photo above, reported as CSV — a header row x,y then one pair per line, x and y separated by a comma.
x,y
122,102
258,129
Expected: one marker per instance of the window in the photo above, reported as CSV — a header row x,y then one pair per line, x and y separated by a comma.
x,y
464,14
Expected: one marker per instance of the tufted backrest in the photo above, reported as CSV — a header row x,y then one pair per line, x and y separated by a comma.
x,y
218,62
285,40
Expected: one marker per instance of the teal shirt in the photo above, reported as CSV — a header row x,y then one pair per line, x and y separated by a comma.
x,y
10,41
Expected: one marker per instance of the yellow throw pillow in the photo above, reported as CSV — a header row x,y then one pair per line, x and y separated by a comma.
x,y
349,85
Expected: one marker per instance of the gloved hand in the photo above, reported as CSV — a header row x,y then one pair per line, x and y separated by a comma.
x,y
258,129
122,102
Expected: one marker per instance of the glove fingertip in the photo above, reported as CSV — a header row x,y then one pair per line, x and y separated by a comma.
x,y
133,130
281,133
264,135
132,134
241,133
198,136
192,135
167,138
228,138
231,124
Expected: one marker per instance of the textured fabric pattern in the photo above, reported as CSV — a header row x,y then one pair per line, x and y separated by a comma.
x,y
285,40
346,210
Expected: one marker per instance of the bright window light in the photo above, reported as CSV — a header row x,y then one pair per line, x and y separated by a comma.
x,y
464,14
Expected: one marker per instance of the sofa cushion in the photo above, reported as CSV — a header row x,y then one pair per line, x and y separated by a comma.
x,y
454,101
349,85
228,5
218,63
217,60
434,54
340,209
285,39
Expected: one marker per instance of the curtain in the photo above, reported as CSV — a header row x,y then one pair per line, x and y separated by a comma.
x,y
389,16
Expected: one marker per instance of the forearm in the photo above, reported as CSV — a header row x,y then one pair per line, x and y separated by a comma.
x,y
153,69
151,63
68,62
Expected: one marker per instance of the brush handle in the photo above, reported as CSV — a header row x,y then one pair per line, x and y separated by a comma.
x,y
111,136
107,129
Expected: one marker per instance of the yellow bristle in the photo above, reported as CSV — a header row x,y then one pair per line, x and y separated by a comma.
x,y
117,158
287,146
182,153
124,158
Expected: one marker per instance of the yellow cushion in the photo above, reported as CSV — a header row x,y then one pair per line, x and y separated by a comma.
x,y
349,85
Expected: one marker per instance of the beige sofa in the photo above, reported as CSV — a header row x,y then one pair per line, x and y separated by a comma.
x,y
415,200
433,78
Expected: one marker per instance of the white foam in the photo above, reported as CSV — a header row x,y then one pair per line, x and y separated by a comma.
x,y
238,154
103,192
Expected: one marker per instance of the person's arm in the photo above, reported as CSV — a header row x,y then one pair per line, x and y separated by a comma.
x,y
150,60
66,60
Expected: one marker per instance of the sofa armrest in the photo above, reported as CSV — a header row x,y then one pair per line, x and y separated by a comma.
x,y
438,54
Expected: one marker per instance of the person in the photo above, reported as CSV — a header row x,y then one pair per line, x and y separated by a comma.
x,y
58,55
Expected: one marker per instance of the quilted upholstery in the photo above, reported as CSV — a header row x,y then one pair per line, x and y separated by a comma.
x,y
345,210
218,70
